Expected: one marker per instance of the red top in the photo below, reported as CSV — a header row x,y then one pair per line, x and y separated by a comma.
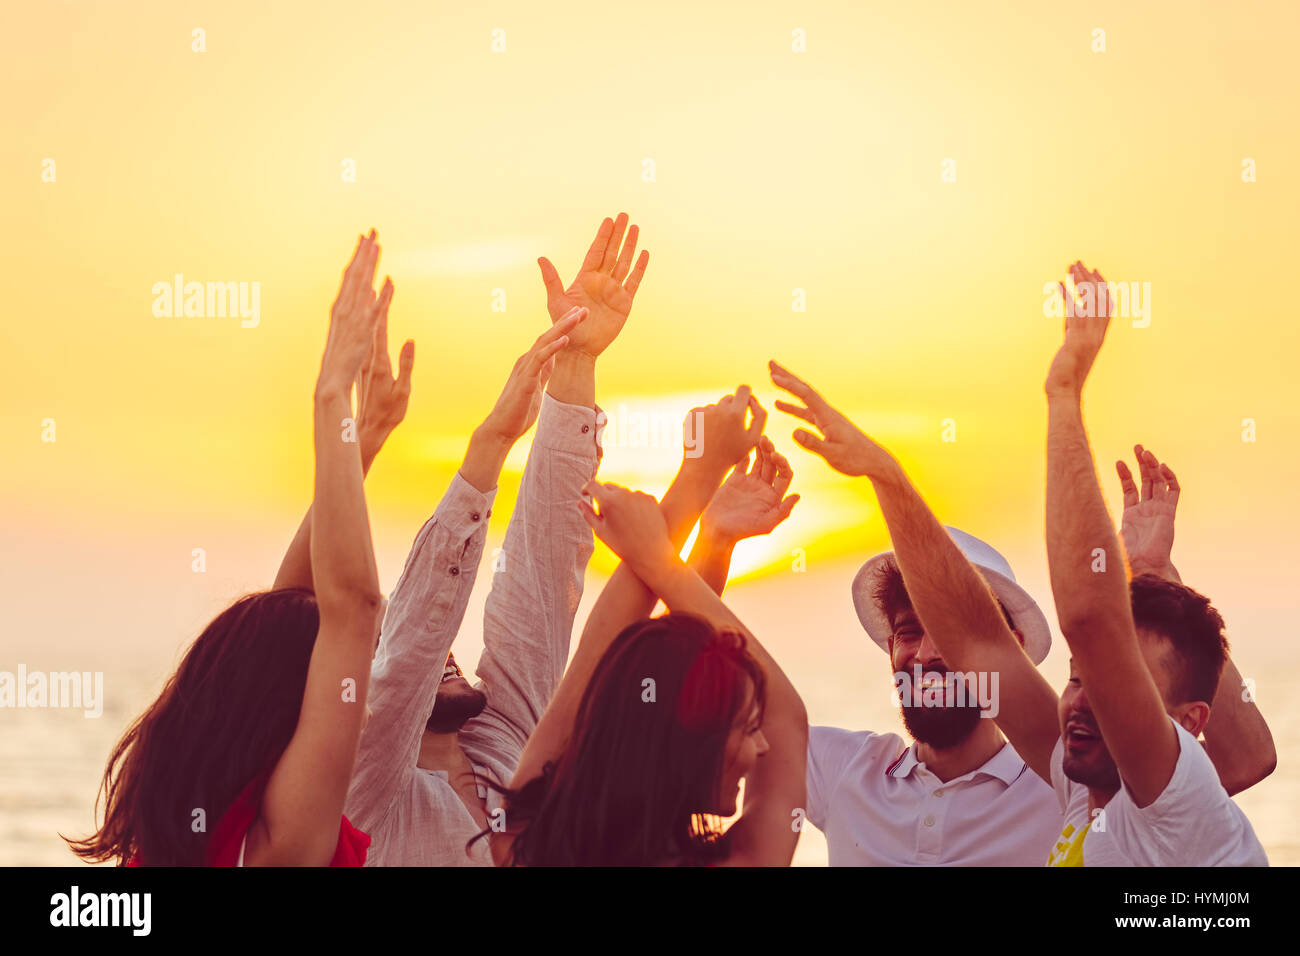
x,y
228,837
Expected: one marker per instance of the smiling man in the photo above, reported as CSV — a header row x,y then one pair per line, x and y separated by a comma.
x,y
959,795
1134,784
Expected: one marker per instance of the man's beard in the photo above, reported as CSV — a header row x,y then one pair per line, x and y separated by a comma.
x,y
940,726
452,711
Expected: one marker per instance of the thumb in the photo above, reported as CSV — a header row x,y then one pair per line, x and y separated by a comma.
x,y
787,506
550,278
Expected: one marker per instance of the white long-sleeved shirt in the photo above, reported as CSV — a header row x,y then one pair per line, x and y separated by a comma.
x,y
414,816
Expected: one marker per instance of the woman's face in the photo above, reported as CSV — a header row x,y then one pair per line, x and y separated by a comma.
x,y
745,744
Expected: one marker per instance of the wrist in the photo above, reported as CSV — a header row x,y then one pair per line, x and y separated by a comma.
x,y
702,473
573,380
485,458
1165,570
714,539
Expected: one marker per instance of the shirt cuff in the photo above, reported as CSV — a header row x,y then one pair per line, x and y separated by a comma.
x,y
464,510
576,429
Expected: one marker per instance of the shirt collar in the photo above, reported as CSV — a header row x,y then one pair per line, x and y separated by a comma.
x,y
1006,765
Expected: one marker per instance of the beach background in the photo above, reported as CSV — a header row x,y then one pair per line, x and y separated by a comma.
x,y
913,177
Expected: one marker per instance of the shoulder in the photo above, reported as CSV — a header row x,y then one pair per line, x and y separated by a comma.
x,y
837,747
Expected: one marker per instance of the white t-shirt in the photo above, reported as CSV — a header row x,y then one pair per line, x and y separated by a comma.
x,y
1192,823
880,806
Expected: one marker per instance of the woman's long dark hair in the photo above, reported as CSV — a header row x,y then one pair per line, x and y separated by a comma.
x,y
223,720
638,783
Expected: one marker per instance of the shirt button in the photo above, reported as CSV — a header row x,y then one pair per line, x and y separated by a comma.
x,y
454,571
938,793
585,429
928,821
473,516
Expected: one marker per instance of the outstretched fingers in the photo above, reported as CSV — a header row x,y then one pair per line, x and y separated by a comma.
x,y
610,256
783,378
381,361
405,363
624,262
1127,485
1172,488
798,411
596,253
634,280
1149,468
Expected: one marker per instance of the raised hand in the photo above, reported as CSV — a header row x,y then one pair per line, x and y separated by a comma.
x,y
1086,322
521,399
353,318
753,500
717,436
1147,525
629,522
845,447
605,286
382,399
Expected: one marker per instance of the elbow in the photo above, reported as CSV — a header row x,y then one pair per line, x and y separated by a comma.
x,y
1079,623
360,601
1266,765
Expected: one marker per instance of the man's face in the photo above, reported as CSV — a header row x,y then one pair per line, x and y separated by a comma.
x,y
1087,760
457,702
941,726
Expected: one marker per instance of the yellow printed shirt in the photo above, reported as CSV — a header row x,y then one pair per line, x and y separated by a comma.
x,y
1068,850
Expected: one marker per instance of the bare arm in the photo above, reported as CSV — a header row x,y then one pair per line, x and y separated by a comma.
x,y
1237,738
299,818
1087,568
383,400
528,619
954,603
775,790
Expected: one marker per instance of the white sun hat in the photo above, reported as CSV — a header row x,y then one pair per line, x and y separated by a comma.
x,y
1024,610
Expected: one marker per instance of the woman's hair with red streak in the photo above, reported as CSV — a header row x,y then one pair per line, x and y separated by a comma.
x,y
639,781
222,720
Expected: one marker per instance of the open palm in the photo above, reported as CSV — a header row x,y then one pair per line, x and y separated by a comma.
x,y
752,501
605,286
1147,525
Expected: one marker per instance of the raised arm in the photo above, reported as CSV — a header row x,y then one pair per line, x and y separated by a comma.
x,y
382,400
538,581
952,600
720,434
752,501
631,524
1087,567
1237,738
299,818
429,602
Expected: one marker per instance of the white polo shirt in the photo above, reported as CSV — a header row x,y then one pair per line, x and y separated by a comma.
x,y
879,806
